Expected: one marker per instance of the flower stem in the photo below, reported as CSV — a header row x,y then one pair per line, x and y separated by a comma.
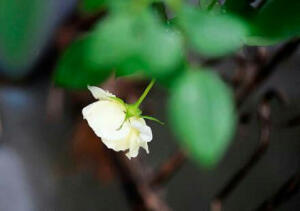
x,y
146,91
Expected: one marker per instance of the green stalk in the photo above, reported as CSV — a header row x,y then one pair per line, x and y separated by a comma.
x,y
146,91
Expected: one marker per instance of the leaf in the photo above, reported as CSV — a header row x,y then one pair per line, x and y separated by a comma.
x,y
23,30
238,7
115,41
209,5
161,51
75,70
201,112
212,34
116,44
276,21
131,43
92,6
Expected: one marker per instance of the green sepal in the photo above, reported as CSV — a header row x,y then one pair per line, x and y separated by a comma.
x,y
153,119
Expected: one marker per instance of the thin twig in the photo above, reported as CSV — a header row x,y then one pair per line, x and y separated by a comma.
x,y
138,193
266,71
263,73
264,116
168,168
294,122
287,190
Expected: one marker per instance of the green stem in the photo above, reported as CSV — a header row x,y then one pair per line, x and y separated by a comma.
x,y
142,97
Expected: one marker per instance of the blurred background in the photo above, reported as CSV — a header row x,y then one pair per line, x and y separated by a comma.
x,y
51,160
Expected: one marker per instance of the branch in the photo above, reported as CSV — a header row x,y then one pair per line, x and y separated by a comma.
x,y
287,190
139,194
264,112
294,122
168,168
265,71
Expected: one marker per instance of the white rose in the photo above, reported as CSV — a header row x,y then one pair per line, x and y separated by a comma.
x,y
109,119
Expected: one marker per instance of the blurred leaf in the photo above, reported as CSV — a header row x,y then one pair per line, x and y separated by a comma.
x,y
75,70
162,51
204,4
92,6
277,20
259,40
23,28
201,111
209,4
211,34
116,44
239,7
159,8
132,43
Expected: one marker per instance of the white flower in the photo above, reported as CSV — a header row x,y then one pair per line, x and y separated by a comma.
x,y
109,119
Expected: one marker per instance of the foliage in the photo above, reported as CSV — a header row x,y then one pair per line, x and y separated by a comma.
x,y
212,34
135,38
74,68
201,111
92,6
276,21
21,33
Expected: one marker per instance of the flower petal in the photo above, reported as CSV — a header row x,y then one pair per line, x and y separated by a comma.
x,y
117,145
105,118
145,131
144,144
99,93
134,144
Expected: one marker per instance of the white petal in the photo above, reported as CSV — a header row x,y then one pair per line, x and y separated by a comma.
x,y
117,145
144,144
99,93
105,118
144,130
134,144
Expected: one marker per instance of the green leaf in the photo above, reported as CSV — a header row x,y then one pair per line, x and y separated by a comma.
x,y
92,6
261,40
75,70
239,7
210,5
131,43
276,21
201,112
212,34
161,51
116,42
23,29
